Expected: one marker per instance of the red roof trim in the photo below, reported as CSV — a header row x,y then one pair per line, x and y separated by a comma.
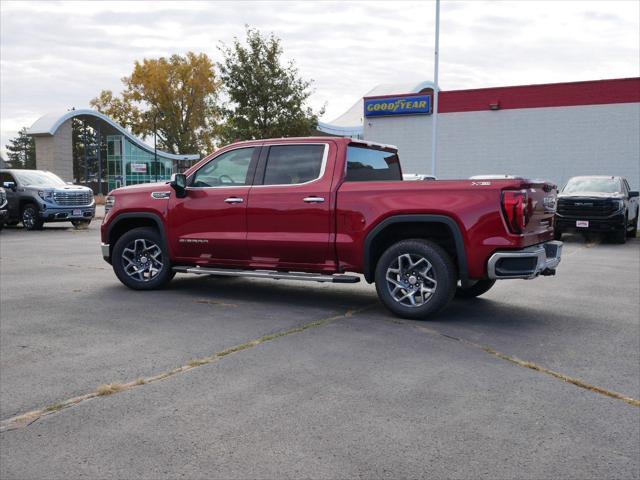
x,y
401,95
594,92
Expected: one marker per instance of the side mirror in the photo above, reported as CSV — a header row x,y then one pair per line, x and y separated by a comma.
x,y
179,184
634,194
10,185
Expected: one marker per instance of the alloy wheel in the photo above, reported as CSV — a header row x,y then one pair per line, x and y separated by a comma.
x,y
411,280
28,218
142,260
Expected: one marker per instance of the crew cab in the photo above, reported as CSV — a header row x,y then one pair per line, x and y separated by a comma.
x,y
321,209
598,203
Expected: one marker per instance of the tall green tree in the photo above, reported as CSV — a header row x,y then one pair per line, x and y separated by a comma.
x,y
21,151
179,93
266,98
85,138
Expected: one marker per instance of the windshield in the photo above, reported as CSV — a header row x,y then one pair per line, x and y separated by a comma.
x,y
601,185
40,179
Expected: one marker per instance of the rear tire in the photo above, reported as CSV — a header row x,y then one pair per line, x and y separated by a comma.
x,y
415,279
140,260
478,288
31,217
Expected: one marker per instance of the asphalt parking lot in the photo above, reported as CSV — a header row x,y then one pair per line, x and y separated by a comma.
x,y
299,380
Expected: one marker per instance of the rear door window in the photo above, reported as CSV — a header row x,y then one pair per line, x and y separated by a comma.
x,y
294,164
372,165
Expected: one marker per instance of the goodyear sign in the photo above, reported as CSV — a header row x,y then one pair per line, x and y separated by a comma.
x,y
413,105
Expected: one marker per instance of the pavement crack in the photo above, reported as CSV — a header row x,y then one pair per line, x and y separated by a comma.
x,y
28,418
538,368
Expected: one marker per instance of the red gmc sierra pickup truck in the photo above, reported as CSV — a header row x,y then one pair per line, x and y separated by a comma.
x,y
316,208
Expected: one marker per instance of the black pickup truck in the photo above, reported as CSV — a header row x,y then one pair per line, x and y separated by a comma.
x,y
598,204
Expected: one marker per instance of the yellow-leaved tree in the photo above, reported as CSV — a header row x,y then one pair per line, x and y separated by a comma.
x,y
179,94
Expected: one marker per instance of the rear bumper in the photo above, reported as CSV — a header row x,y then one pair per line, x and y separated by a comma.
x,y
542,259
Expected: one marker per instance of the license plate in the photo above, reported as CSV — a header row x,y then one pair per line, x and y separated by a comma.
x,y
77,213
582,223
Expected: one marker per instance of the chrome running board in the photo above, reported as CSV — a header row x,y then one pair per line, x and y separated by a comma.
x,y
273,274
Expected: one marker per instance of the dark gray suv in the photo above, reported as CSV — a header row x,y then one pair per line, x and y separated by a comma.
x,y
35,197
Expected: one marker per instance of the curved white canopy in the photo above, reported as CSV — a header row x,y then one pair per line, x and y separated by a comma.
x,y
48,124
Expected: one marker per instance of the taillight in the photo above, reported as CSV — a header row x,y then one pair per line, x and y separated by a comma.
x,y
517,212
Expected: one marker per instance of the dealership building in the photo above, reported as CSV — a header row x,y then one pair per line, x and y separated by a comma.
x,y
551,131
124,160
554,131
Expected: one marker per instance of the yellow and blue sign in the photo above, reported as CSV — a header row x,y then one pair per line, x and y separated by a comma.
x,y
407,105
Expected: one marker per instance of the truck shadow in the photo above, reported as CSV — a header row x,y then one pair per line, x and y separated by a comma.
x,y
486,313
274,292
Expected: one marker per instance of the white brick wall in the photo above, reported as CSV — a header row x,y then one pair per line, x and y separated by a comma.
x,y
553,143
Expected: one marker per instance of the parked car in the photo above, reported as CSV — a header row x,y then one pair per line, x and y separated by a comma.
x,y
601,204
36,196
316,208
4,212
412,177
495,176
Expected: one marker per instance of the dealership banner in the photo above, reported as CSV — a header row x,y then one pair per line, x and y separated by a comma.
x,y
138,168
412,105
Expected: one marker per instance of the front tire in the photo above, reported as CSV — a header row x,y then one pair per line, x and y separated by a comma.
x,y
141,261
31,217
478,288
415,279
632,233
621,235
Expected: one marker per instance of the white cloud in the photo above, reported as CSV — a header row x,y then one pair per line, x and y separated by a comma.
x,y
55,55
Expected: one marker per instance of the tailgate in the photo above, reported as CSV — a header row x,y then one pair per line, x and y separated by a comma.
x,y
542,201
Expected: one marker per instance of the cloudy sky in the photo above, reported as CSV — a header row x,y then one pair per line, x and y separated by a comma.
x,y
54,56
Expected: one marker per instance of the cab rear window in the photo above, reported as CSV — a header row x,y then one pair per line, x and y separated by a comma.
x,y
372,165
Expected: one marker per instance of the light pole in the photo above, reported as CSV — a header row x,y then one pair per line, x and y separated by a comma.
x,y
155,143
434,135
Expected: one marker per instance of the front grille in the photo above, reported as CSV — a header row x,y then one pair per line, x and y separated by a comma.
x,y
587,208
73,199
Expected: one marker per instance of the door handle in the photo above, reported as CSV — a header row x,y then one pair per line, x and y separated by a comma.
x,y
313,199
234,200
